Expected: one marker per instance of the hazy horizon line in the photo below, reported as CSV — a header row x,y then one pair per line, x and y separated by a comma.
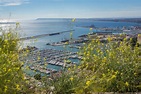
x,y
1,19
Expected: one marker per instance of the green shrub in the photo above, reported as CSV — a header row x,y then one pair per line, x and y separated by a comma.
x,y
111,67
133,42
11,75
37,76
62,83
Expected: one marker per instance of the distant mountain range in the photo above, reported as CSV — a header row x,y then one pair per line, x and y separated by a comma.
x,y
51,18
135,20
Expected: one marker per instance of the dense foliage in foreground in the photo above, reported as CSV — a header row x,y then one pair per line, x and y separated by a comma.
x,y
110,67
11,75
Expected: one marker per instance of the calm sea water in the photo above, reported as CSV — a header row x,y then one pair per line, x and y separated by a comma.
x,y
37,27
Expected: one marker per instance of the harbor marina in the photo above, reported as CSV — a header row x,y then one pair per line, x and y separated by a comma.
x,y
39,60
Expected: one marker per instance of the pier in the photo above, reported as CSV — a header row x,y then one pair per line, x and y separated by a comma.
x,y
71,41
44,35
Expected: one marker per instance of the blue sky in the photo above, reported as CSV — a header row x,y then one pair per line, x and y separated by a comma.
x,y
32,9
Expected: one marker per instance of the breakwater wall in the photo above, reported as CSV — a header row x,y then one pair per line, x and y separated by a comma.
x,y
44,35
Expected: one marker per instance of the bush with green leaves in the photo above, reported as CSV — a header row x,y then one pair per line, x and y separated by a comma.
x,y
111,67
62,83
37,76
11,75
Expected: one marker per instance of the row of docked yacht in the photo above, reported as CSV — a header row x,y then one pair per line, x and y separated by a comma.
x,y
42,69
48,56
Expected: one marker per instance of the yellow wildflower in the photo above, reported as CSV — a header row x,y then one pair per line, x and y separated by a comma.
x,y
88,83
101,53
88,54
121,73
26,67
17,23
39,58
135,74
109,39
113,76
5,41
97,40
4,69
84,43
139,35
8,80
27,51
103,75
5,88
73,20
91,29
71,34
9,70
9,34
104,59
68,68
44,59
13,42
116,72
66,43
17,68
71,78
125,39
79,67
127,84
45,64
17,87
